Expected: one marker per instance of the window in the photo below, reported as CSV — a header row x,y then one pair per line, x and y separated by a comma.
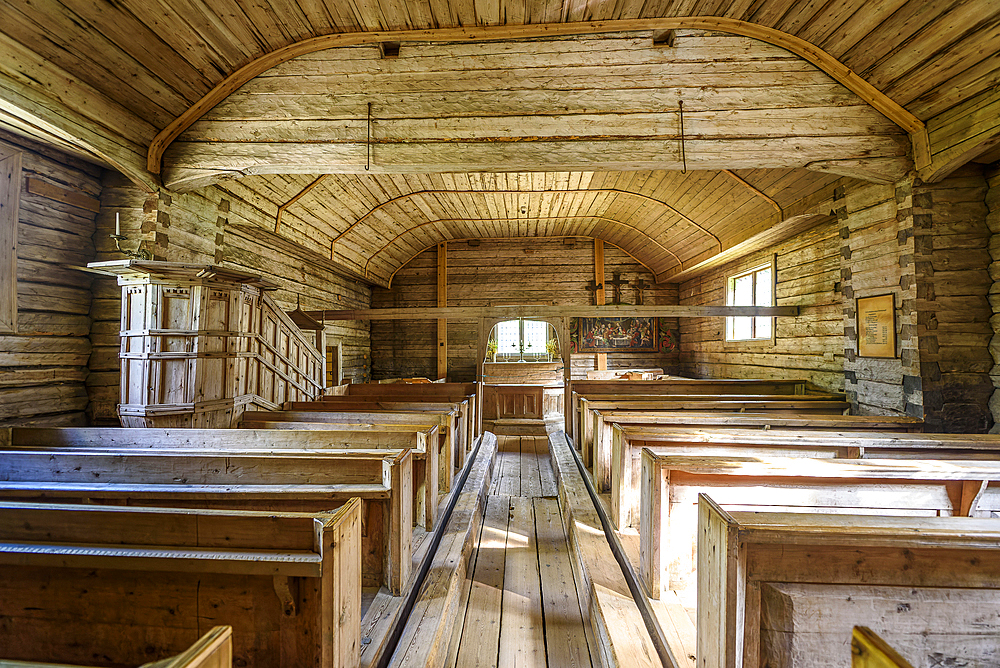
x,y
521,339
752,288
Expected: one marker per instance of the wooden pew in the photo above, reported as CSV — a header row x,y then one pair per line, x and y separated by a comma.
x,y
600,434
424,486
797,406
316,412
138,582
626,457
625,470
688,386
424,392
212,650
671,485
422,439
420,392
278,480
361,404
773,587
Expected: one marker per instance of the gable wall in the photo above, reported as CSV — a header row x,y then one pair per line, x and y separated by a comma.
x,y
500,271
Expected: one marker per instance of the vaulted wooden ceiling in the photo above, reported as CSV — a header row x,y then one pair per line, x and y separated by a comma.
x,y
523,118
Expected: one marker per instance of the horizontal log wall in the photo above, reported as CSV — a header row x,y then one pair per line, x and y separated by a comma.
x,y
515,271
230,227
43,365
809,346
951,261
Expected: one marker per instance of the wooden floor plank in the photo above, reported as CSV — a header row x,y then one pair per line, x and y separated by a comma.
x,y
531,484
546,474
565,639
505,444
522,639
481,636
510,466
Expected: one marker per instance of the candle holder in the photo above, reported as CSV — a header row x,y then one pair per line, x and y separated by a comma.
x,y
138,253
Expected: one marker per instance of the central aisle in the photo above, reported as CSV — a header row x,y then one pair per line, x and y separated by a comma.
x,y
522,607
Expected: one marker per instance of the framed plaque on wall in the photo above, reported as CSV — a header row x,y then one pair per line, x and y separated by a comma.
x,y
876,326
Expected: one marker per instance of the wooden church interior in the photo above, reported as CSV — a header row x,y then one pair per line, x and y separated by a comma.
x,y
499,332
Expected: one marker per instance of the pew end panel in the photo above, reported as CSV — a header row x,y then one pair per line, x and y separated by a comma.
x,y
929,584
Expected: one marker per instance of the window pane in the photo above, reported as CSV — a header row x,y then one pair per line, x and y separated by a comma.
x,y
508,337
764,287
534,336
743,291
763,328
741,327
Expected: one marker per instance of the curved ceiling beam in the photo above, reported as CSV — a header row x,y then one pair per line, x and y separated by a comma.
x,y
618,191
302,193
755,190
526,219
813,54
574,236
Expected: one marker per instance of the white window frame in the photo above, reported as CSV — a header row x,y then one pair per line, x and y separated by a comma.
x,y
758,324
522,352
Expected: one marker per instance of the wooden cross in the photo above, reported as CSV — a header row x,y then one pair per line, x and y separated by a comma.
x,y
617,282
640,285
593,287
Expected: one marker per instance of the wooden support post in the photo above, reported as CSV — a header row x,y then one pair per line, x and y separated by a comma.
x,y
442,301
599,300
567,374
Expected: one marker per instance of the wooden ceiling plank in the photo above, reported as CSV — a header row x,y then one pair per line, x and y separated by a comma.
x,y
277,23
770,14
116,40
98,68
829,19
913,79
946,33
193,31
543,11
896,31
512,12
859,26
962,134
